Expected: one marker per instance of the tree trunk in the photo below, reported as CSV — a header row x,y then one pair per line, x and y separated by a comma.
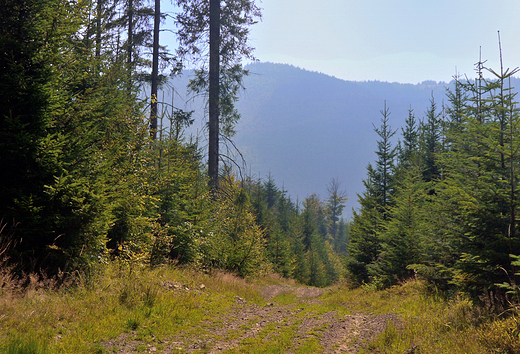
x,y
130,47
155,71
214,83
99,14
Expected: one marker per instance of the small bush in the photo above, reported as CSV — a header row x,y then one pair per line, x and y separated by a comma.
x,y
132,295
149,295
461,314
389,338
127,296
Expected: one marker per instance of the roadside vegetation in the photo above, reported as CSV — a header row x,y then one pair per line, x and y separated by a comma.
x,y
171,309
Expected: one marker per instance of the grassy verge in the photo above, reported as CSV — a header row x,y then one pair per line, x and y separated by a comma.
x,y
150,305
429,323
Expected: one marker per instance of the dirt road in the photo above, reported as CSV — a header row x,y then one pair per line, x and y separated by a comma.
x,y
336,333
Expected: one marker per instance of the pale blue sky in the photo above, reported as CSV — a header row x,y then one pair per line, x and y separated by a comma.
x,y
405,41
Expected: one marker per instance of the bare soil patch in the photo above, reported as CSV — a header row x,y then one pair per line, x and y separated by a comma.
x,y
271,291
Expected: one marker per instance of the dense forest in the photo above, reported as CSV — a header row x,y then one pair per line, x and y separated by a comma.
x,y
441,204
90,177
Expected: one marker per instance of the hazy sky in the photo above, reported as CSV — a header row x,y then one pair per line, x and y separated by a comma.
x,y
406,41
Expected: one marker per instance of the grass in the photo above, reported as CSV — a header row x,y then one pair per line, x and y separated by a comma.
x,y
311,345
26,344
428,323
148,307
271,339
284,299
77,319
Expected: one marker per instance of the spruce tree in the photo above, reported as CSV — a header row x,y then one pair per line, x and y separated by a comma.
x,y
457,100
71,165
410,136
363,245
402,236
335,205
25,74
479,198
385,163
431,141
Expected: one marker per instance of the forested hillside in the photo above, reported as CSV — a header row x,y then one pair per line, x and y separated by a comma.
x,y
304,128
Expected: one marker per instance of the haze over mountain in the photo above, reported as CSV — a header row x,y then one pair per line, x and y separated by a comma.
x,y
305,128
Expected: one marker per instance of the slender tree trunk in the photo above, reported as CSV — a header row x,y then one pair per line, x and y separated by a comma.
x,y
87,39
502,117
155,70
214,88
99,14
130,47
512,221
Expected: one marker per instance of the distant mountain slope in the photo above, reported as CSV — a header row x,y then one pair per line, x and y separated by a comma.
x,y
305,128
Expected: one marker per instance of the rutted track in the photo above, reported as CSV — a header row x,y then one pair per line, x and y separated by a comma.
x,y
336,333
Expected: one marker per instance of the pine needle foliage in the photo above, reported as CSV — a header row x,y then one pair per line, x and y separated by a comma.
x,y
453,214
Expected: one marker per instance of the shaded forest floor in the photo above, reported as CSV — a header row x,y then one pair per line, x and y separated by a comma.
x,y
172,310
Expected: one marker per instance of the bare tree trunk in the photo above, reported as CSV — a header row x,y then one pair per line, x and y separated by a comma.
x,y
99,14
130,44
214,83
130,47
155,71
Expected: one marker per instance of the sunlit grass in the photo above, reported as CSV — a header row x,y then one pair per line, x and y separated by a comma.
x,y
147,303
427,323
284,299
273,338
150,306
311,345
